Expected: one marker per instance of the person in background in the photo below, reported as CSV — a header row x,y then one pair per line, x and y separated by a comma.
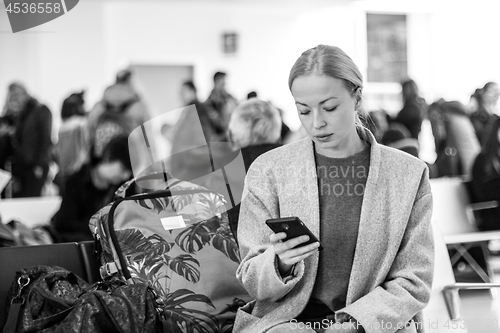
x,y
397,136
456,142
192,136
485,183
255,128
285,130
483,106
220,101
120,111
30,139
90,189
478,114
212,129
72,148
414,108
374,222
491,93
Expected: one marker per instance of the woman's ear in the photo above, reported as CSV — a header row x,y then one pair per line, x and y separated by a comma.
x,y
358,96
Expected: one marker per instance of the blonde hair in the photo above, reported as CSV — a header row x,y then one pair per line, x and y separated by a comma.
x,y
332,61
254,122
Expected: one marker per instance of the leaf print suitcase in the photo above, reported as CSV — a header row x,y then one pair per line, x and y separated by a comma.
x,y
179,242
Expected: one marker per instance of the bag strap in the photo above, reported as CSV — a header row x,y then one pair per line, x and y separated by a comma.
x,y
13,316
16,304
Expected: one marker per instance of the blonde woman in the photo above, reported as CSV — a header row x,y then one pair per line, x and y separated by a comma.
x,y
370,206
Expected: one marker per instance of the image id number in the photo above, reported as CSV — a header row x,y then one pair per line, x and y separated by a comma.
x,y
41,7
455,324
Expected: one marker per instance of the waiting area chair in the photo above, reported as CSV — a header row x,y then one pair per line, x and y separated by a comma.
x,y
444,310
75,257
29,211
453,213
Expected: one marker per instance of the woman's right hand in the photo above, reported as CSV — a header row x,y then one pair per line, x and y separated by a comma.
x,y
287,254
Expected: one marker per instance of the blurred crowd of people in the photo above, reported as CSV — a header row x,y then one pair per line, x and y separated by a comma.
x,y
466,140
92,154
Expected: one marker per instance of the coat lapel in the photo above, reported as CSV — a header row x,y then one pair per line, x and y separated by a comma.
x,y
312,206
369,232
299,187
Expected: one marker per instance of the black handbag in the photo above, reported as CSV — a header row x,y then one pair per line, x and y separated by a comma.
x,y
41,297
113,306
52,299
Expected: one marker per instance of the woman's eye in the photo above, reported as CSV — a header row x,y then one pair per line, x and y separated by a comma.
x,y
303,112
330,109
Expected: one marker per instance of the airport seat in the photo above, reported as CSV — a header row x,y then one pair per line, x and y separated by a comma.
x,y
453,213
29,211
75,257
90,262
444,311
436,314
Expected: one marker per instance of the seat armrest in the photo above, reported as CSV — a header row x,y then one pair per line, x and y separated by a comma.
x,y
471,237
452,298
483,205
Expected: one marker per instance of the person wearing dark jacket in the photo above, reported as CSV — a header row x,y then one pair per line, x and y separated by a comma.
x,y
213,131
191,137
30,140
485,183
220,102
414,109
90,189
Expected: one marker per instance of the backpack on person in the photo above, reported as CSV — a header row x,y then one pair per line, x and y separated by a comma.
x,y
111,123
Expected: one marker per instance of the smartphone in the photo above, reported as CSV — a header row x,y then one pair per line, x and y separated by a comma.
x,y
293,227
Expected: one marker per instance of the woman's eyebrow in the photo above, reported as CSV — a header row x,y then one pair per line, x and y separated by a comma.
x,y
326,100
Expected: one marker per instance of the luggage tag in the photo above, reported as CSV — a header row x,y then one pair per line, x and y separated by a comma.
x,y
173,222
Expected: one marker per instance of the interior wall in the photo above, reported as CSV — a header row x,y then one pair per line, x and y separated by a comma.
x,y
270,38
464,48
57,58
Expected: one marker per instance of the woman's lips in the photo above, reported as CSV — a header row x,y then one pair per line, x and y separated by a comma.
x,y
323,137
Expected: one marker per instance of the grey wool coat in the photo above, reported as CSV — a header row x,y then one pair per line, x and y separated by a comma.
x,y
393,263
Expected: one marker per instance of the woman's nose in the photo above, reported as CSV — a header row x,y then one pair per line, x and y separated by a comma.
x,y
318,120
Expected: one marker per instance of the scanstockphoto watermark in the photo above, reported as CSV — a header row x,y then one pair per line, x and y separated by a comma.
x,y
26,14
483,324
326,324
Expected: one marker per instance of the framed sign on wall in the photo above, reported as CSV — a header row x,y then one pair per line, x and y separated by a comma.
x,y
386,47
230,42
